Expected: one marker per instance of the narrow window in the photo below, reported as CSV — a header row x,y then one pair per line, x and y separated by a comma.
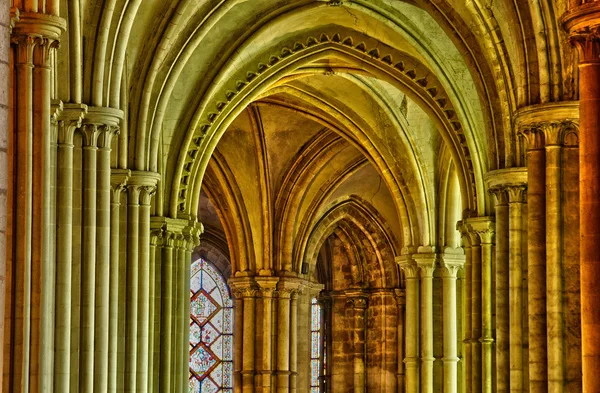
x,y
317,361
211,329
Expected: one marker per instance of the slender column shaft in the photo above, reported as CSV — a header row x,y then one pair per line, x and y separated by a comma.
x,y
502,294
515,195
401,302
283,341
238,347
42,283
64,233
22,215
554,270
360,306
184,350
143,335
166,332
426,327
115,210
411,360
536,272
131,343
589,198
179,308
248,343
449,272
487,338
88,258
102,301
294,342
468,348
266,364
476,363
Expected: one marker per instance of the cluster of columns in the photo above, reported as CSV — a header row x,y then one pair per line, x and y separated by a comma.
x,y
272,330
419,269
582,23
97,290
551,133
165,336
366,329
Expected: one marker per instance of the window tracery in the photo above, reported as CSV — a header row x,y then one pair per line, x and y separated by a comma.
x,y
211,331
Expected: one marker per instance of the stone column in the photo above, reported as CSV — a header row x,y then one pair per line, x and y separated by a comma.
x,y
583,24
450,264
516,200
359,308
30,256
401,303
411,360
143,335
536,259
502,291
5,128
467,338
90,133
107,121
118,186
167,306
132,278
483,229
426,264
294,342
69,121
284,291
245,290
267,286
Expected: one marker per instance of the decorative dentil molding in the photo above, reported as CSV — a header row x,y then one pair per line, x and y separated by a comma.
x,y
409,69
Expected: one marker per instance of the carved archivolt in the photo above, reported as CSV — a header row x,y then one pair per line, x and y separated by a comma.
x,y
420,83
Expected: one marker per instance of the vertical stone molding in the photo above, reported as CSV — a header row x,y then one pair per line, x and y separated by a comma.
x,y
411,359
285,288
481,232
502,290
140,188
551,133
267,286
246,290
68,121
536,257
118,185
516,200
401,304
468,306
30,254
427,265
450,264
359,301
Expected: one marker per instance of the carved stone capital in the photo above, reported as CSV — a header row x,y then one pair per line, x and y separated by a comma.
x,y
517,193
408,266
24,45
452,262
534,137
426,263
69,119
267,285
500,193
41,51
118,183
481,230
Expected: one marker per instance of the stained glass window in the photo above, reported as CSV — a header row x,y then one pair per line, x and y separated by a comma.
x,y
316,352
211,329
